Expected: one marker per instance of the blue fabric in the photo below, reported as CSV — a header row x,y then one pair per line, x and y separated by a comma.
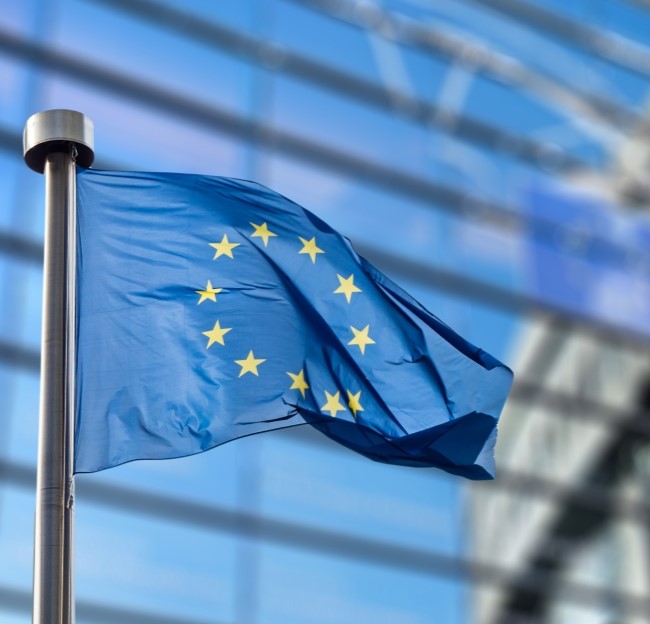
x,y
211,309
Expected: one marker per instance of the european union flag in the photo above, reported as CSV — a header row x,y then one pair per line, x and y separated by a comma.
x,y
210,309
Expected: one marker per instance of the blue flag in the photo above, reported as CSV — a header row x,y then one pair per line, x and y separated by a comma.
x,y
210,309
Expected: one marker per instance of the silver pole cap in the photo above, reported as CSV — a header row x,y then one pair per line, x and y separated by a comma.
x,y
57,131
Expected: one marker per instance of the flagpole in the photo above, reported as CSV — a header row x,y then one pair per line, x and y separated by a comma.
x,y
54,142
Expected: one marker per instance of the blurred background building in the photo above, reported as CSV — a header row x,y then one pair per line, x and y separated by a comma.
x,y
492,157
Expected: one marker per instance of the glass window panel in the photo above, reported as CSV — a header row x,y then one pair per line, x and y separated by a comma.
x,y
19,402
328,590
131,561
17,17
11,170
140,51
16,538
14,79
20,321
325,39
317,483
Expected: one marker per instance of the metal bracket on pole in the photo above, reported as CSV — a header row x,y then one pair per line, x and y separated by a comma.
x,y
54,142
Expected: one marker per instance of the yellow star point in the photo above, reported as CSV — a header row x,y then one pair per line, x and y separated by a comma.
x,y
224,248
263,232
250,364
333,404
354,402
216,334
299,382
361,338
208,293
309,247
347,287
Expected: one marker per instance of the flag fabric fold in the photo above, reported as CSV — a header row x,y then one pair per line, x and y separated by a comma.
x,y
209,309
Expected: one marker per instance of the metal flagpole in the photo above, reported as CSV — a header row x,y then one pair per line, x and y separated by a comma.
x,y
54,142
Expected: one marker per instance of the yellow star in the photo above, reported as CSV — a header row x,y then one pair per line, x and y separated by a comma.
x,y
249,365
354,402
208,293
309,247
361,338
216,334
263,232
333,404
224,248
347,287
299,382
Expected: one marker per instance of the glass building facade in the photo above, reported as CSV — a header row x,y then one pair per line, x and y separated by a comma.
x,y
487,156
